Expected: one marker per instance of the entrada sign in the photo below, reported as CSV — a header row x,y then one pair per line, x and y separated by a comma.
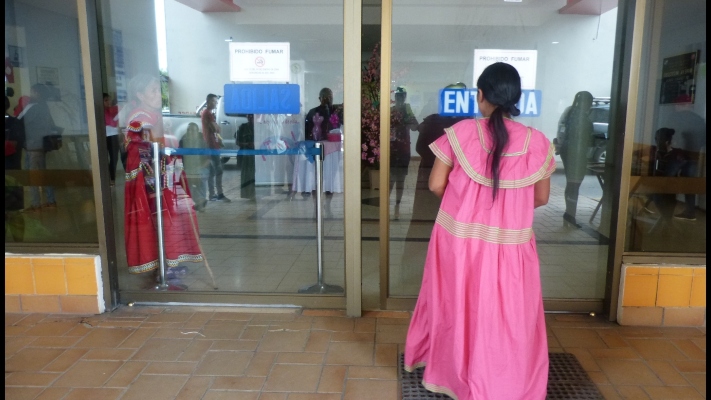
x,y
462,103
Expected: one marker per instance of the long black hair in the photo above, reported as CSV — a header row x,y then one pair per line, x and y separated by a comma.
x,y
501,86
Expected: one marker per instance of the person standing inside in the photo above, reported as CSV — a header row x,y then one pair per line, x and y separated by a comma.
x,y
403,121
211,134
573,147
38,123
245,140
14,192
478,326
112,136
197,166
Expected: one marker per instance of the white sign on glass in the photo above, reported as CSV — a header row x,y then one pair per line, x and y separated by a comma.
x,y
259,62
523,60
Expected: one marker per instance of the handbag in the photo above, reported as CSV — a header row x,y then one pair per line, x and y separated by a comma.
x,y
52,142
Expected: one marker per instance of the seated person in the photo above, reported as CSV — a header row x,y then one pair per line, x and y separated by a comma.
x,y
673,162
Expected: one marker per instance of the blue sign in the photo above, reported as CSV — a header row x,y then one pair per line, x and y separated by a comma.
x,y
462,103
243,98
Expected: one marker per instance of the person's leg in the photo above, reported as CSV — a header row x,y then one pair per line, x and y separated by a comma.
x,y
112,145
48,190
688,169
572,190
31,164
217,163
211,181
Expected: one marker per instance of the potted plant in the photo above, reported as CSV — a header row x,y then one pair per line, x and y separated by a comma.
x,y
370,117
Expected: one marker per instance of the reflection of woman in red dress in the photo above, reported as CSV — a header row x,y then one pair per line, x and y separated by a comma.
x,y
145,125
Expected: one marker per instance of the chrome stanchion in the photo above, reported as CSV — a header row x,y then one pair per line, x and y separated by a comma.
x,y
159,215
320,287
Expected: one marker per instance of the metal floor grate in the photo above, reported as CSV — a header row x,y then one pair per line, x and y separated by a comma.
x,y
567,380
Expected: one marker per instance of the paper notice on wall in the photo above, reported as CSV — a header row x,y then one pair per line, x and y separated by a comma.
x,y
523,60
260,62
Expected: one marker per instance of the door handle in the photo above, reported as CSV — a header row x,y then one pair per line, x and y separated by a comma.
x,y
224,123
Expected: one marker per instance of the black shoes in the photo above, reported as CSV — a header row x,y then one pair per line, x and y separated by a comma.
x,y
220,197
569,221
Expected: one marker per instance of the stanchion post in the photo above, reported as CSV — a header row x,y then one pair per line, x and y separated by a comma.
x,y
159,214
320,287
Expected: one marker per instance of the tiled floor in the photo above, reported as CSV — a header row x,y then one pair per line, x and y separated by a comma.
x,y
289,354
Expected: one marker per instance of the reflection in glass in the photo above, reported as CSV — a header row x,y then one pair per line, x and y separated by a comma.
x,y
48,181
430,52
667,203
264,239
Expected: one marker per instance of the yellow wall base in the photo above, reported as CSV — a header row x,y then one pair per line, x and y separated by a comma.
x,y
69,284
662,295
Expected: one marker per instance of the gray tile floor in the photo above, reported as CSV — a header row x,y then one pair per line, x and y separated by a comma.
x,y
270,245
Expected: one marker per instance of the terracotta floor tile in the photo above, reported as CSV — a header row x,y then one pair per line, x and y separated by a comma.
x,y
94,393
253,332
138,338
55,341
293,378
230,395
640,332
52,393
128,372
690,349
31,359
700,342
155,387
333,324
611,338
364,324
196,351
194,388
682,332
657,349
667,373
109,354
632,393
15,330
65,360
30,378
352,336
690,366
51,329
619,353
105,337
237,345
387,373
170,368
698,381
88,374
273,396
386,354
672,393
300,358
574,337
14,344
313,396
238,383
359,389
161,349
390,333
227,331
628,372
284,341
261,364
350,353
232,363
169,317
22,393
318,341
609,392
585,359
333,379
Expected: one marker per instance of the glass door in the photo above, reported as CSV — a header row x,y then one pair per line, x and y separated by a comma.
x,y
561,51
214,81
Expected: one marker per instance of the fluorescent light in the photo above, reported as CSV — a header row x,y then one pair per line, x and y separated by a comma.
x,y
555,42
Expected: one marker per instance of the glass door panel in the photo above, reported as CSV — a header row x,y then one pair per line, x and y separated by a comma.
x,y
238,223
667,200
559,51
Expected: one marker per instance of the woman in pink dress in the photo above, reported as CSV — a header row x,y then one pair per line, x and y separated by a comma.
x,y
478,326
145,125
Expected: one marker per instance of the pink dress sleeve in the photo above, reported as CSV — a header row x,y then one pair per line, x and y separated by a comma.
x,y
550,162
442,149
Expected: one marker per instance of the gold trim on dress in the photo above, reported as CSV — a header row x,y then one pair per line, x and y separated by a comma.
x,y
429,386
542,172
440,154
519,153
151,265
491,234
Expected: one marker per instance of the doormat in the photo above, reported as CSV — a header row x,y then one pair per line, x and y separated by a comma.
x,y
566,380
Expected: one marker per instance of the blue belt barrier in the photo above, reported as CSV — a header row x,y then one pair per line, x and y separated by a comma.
x,y
305,148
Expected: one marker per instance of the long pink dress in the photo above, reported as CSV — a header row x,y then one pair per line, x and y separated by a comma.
x,y
478,326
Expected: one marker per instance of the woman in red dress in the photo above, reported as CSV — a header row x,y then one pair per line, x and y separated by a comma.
x,y
145,125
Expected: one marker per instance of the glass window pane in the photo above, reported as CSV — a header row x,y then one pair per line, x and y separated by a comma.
x,y
561,53
248,220
667,203
49,195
